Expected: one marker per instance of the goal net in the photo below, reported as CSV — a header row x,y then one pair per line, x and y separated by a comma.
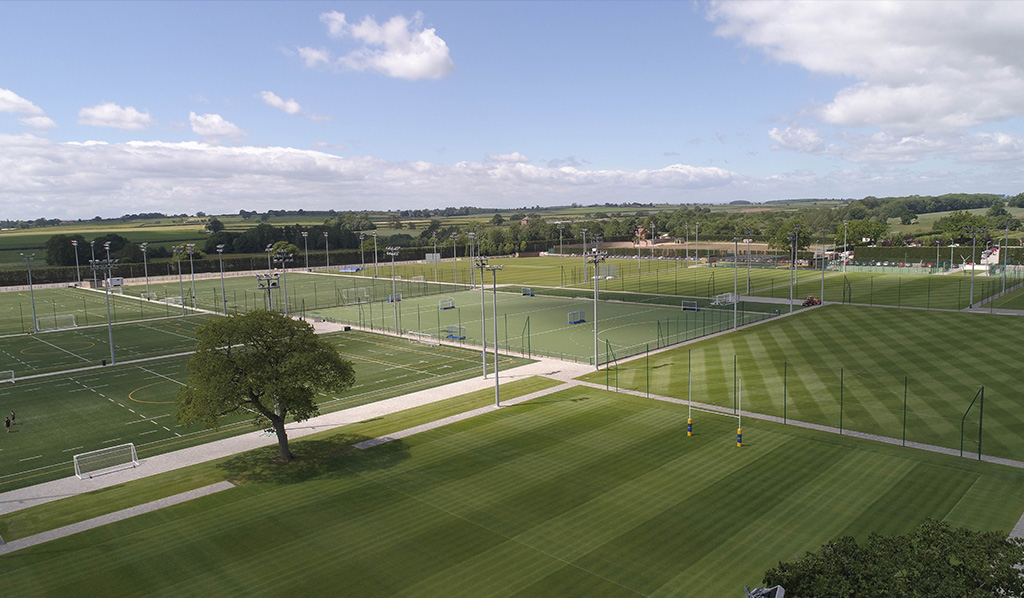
x,y
149,296
456,333
576,317
395,298
607,271
446,303
105,460
175,300
58,322
527,292
116,290
690,305
6,376
423,338
724,299
419,279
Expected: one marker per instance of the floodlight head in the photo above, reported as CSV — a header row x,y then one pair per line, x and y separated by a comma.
x,y
220,248
305,234
106,245
325,234
481,262
142,246
361,236
74,243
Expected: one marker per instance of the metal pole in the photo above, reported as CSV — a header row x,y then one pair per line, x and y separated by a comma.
x,y
560,227
220,258
362,253
1003,249
145,264
192,271
735,281
597,259
106,288
482,263
305,245
28,261
433,237
181,286
393,251
822,266
376,265
844,247
327,252
494,295
749,240
455,256
78,272
92,247
472,271
584,233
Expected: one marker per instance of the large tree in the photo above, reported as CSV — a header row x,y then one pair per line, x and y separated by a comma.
x,y
262,362
933,560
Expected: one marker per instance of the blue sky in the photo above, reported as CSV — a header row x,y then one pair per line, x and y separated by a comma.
x,y
112,108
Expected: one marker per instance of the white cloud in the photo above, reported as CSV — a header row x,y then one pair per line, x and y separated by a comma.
x,y
213,127
12,102
274,101
80,180
513,157
918,67
112,115
797,138
399,48
39,123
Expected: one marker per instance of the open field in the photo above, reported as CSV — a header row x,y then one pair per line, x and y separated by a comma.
x,y
88,306
861,359
583,492
63,414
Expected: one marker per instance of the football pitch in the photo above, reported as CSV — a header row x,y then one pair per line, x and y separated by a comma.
x,y
73,412
584,492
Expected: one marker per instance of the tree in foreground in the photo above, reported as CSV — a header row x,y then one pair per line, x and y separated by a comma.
x,y
262,362
933,560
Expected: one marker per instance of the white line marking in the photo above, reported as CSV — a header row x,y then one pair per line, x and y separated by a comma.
x,y
74,448
162,376
30,458
111,440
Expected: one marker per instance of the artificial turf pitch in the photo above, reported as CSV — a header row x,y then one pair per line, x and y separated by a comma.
x,y
583,492
63,414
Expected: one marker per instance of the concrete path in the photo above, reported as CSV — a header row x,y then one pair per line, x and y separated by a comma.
x,y
74,528
31,496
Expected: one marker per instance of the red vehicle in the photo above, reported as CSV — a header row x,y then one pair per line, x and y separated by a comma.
x,y
811,301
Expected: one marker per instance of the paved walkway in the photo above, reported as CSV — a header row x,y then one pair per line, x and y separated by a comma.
x,y
31,496
102,520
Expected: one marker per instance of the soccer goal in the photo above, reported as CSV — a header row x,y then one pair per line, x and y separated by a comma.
x,y
607,271
527,292
395,298
446,303
423,338
58,322
105,460
576,317
149,296
690,305
172,300
117,290
724,299
456,333
6,376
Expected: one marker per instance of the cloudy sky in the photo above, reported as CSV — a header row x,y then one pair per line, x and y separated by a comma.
x,y
110,108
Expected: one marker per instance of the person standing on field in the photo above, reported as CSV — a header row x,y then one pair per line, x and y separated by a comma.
x,y
7,424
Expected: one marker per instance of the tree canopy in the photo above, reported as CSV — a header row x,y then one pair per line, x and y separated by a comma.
x,y
933,560
262,362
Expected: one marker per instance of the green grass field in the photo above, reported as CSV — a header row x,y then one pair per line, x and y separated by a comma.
x,y
89,308
584,492
539,325
63,414
805,367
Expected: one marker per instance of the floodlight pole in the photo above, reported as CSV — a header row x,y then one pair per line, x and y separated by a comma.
x,y
792,254
376,265
584,233
973,231
192,271
481,263
844,247
393,251
177,249
472,272
305,245
433,237
639,237
92,247
749,240
560,227
78,272
145,264
597,259
270,266
362,253
106,288
283,257
1003,250
494,294
822,297
220,258
735,282
455,256
327,252
696,243
28,261
686,244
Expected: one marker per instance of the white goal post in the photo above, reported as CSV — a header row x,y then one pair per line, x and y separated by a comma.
x,y
446,303
173,300
105,460
424,338
725,299
149,296
7,376
58,322
690,305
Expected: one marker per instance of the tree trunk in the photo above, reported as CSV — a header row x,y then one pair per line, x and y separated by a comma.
x,y
282,440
